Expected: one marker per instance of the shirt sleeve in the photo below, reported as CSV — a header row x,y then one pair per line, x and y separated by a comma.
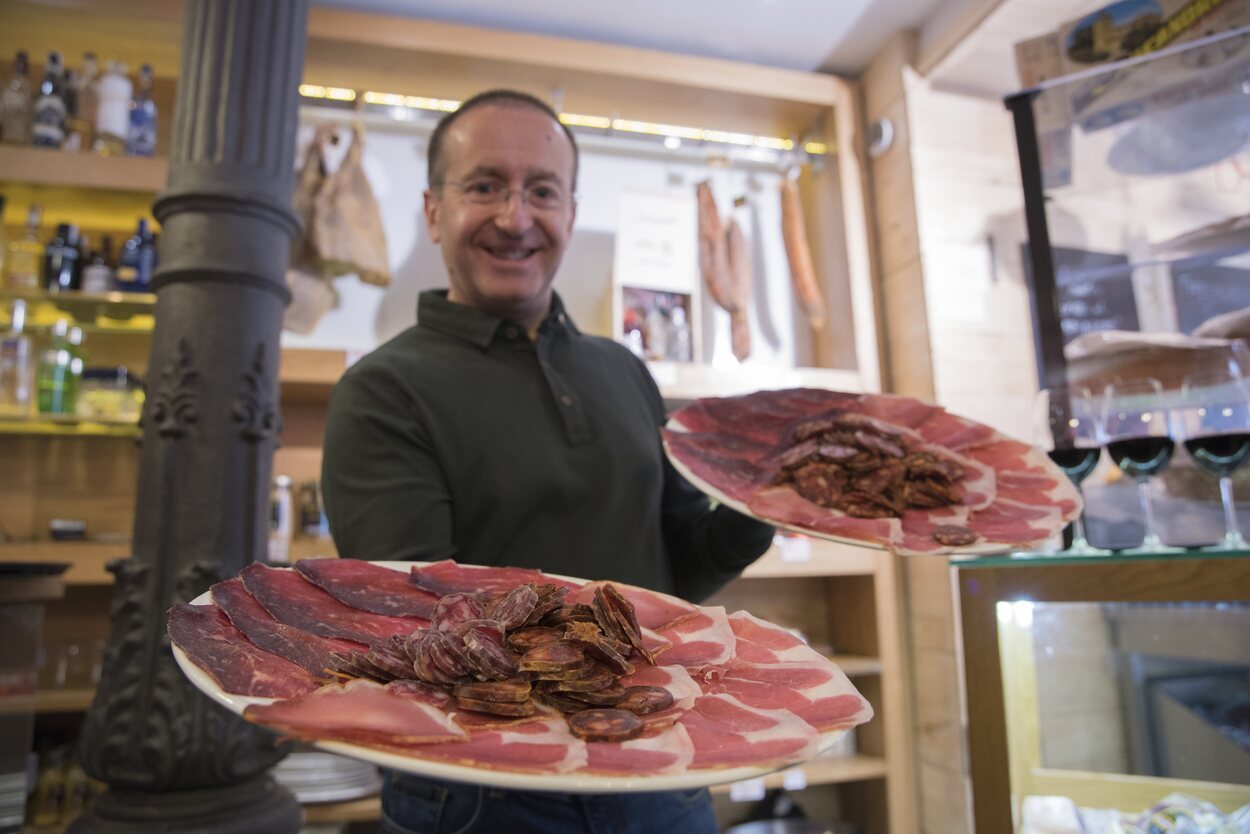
x,y
707,547
384,491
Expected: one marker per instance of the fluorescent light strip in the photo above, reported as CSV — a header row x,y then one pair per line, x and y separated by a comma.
x,y
693,134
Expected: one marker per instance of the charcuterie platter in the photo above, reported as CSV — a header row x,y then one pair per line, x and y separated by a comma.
x,y
872,470
511,677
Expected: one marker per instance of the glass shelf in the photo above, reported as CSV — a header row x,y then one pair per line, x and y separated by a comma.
x,y
1036,559
68,426
110,312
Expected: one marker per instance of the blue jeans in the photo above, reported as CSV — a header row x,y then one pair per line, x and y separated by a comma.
x,y
417,805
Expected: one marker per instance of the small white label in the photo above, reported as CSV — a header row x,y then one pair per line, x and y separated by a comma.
x,y
794,780
664,374
748,790
793,548
351,357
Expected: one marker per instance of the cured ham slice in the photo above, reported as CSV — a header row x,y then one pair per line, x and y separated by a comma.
x,y
764,415
368,587
790,508
206,636
654,610
310,651
918,528
819,693
538,746
1026,476
728,733
953,432
705,639
361,712
759,641
737,478
293,600
659,751
447,577
1017,524
673,678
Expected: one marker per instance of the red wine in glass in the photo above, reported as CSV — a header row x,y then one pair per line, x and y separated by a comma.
x,y
1076,463
1220,454
1142,457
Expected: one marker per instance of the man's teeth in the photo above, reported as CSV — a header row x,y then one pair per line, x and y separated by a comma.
x,y
512,254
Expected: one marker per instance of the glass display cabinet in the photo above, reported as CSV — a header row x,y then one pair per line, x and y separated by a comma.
x,y
1136,180
1105,684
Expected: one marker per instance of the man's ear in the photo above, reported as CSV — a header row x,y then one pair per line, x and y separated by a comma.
x,y
432,211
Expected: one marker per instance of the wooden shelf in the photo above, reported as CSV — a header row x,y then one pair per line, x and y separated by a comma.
x,y
857,665
39,166
805,556
68,427
86,559
48,701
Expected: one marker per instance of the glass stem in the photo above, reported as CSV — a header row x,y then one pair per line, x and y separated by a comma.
x,y
1147,511
1078,532
1230,509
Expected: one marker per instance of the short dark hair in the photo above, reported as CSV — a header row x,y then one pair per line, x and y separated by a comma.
x,y
506,98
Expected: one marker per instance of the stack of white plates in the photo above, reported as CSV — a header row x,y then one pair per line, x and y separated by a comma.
x,y
324,777
12,800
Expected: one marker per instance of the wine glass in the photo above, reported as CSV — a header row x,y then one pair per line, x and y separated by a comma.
x,y
1214,423
1136,433
1066,429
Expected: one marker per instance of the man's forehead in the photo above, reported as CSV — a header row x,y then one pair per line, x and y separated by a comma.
x,y
479,139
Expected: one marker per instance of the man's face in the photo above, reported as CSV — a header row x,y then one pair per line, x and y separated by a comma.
x,y
502,256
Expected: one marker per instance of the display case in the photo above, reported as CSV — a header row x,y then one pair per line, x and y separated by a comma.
x,y
1136,180
1097,687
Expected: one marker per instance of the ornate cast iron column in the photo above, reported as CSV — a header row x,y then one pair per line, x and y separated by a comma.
x,y
173,759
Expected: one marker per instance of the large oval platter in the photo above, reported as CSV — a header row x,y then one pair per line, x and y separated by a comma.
x,y
566,783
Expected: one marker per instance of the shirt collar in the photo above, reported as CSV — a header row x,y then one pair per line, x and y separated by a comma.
x,y
436,312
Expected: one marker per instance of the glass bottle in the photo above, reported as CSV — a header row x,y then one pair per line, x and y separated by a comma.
x,y
15,104
142,136
62,262
97,273
23,265
48,125
4,239
73,126
87,86
112,121
16,367
52,379
280,521
136,262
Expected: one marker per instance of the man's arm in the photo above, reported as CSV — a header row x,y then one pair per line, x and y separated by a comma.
x,y
385,495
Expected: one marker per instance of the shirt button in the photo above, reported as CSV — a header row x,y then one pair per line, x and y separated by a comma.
x,y
566,400
510,332
560,318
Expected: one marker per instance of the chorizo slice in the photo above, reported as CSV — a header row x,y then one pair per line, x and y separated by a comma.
x,y
527,638
513,690
605,697
515,607
552,657
605,725
520,710
641,700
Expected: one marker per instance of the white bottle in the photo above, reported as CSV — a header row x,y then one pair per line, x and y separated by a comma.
x,y
280,523
16,368
112,123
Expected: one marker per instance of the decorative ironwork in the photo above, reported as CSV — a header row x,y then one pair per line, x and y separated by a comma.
x,y
256,407
176,403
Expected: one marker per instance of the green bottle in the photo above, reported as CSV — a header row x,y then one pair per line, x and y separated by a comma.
x,y
54,379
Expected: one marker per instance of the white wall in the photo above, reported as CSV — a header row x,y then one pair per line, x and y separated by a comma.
x,y
395,166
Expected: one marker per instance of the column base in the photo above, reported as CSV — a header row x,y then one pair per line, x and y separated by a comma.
x,y
259,805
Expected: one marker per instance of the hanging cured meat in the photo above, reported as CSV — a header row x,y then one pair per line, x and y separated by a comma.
x,y
802,267
524,673
875,469
740,272
714,253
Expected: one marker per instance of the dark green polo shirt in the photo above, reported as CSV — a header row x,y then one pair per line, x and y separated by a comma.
x,y
462,438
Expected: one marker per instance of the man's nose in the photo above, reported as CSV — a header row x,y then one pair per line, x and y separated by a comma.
x,y
514,214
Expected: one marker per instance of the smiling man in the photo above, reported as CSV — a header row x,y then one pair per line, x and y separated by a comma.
x,y
495,432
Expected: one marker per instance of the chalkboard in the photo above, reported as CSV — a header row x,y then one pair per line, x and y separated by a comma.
x,y
1090,304
1205,291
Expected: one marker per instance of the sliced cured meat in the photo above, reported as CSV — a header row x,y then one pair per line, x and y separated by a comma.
x,y
705,639
763,416
1027,476
735,477
659,751
207,637
952,431
785,506
1017,524
759,641
293,600
728,733
368,587
313,653
447,577
673,678
920,525
535,746
817,692
423,692
905,412
361,712
652,609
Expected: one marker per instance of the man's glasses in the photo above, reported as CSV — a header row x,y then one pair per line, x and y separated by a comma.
x,y
544,196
